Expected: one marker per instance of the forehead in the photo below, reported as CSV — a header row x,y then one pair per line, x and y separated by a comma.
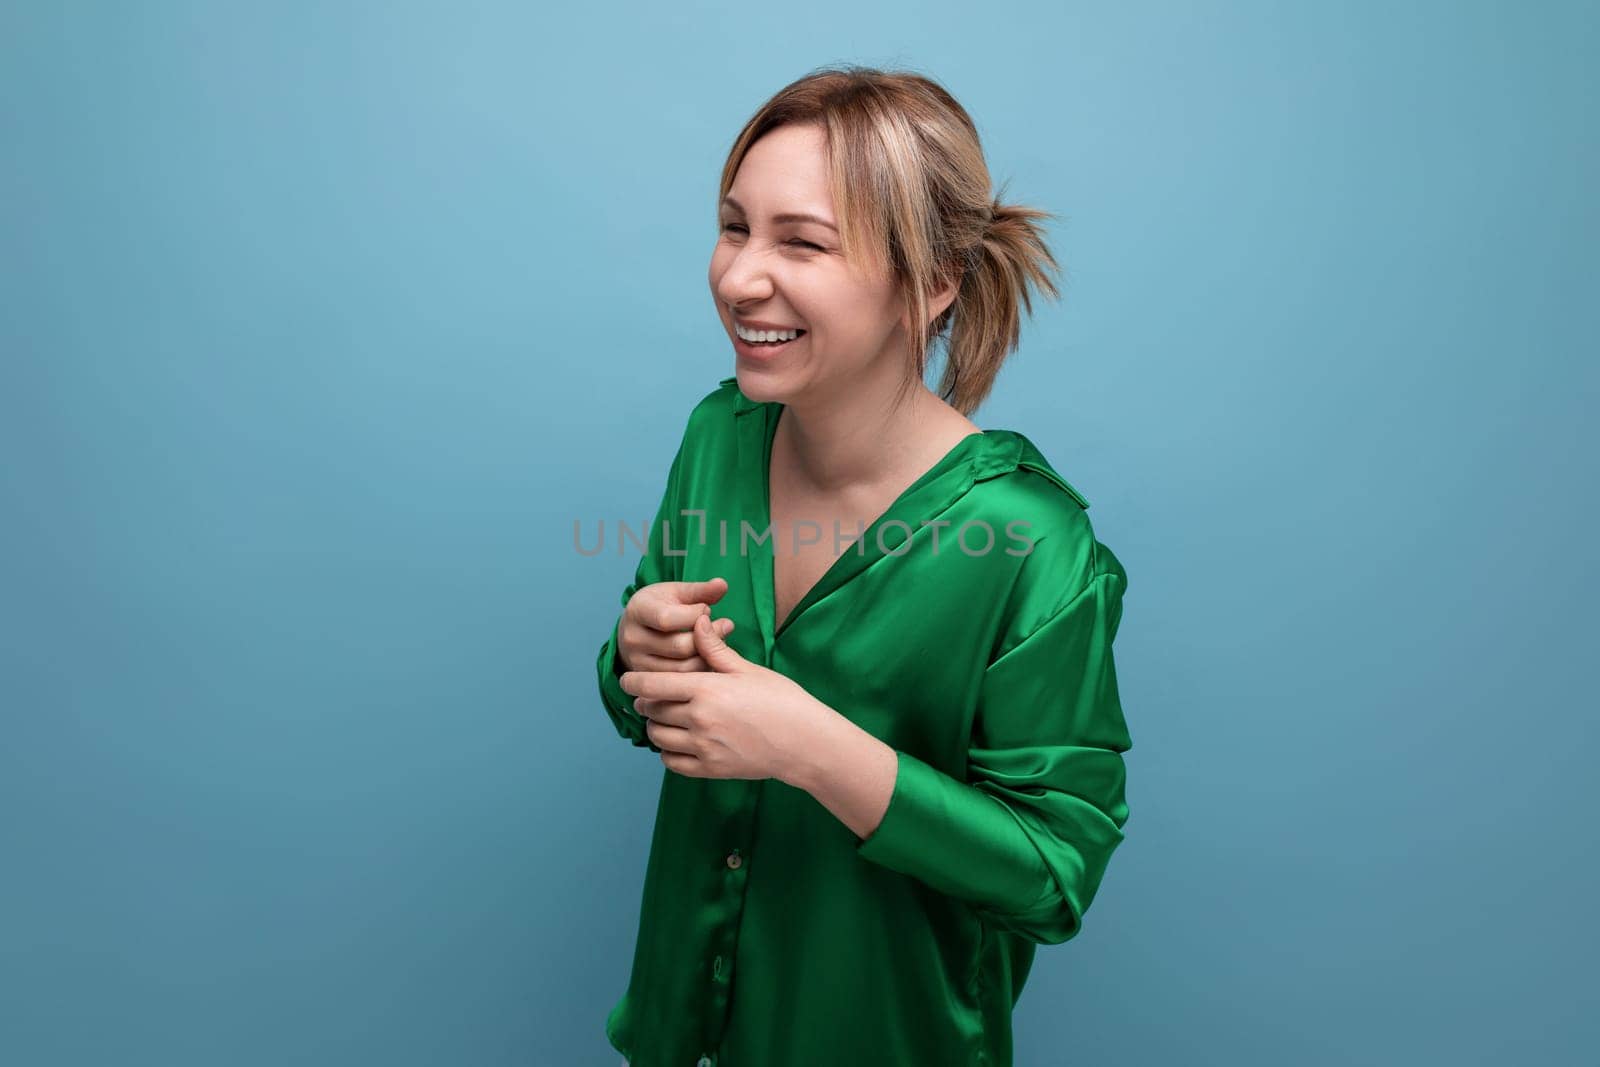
x,y
786,170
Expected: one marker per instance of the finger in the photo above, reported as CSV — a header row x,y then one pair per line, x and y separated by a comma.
x,y
660,685
642,640
667,616
647,707
674,666
687,666
686,765
707,592
661,652
670,738
666,712
715,651
710,591
672,646
655,706
680,645
666,646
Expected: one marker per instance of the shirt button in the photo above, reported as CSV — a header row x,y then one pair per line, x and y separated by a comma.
x,y
733,861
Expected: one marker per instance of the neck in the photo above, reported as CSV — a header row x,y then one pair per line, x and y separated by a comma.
x,y
861,438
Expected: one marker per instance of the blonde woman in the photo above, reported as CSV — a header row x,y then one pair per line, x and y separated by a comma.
x,y
869,641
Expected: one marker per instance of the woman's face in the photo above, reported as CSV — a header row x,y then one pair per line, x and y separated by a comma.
x,y
791,273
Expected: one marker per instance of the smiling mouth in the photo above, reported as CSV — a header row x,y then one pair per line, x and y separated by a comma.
x,y
768,345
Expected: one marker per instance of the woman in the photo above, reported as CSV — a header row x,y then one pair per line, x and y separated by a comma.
x,y
891,732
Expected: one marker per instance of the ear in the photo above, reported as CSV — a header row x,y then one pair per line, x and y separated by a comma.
x,y
938,300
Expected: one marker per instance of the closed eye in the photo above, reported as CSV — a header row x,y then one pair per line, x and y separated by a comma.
x,y
794,241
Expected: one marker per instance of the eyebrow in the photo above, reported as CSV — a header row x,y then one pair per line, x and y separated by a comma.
x,y
786,217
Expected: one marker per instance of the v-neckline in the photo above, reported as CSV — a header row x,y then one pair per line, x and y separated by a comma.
x,y
835,574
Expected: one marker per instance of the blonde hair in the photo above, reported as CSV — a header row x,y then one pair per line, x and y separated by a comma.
x,y
911,191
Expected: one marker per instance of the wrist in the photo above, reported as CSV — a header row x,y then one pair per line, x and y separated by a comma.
x,y
850,772
811,764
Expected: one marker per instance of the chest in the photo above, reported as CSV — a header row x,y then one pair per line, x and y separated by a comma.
x,y
809,533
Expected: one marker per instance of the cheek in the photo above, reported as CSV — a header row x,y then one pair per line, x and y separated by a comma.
x,y
722,254
839,315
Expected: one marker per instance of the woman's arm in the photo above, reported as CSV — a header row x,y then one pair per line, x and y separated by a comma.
x,y
850,772
1026,839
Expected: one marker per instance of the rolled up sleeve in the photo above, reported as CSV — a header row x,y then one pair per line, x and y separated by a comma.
x,y
1027,838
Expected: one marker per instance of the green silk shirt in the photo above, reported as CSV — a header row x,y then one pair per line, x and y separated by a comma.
x,y
769,934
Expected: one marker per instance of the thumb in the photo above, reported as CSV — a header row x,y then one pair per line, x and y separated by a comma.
x,y
713,649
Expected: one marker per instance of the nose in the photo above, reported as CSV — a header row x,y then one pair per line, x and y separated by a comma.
x,y
744,279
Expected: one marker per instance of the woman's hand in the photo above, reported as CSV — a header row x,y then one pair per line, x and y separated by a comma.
x,y
654,633
737,720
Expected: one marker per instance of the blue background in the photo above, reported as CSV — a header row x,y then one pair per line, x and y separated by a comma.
x,y
322,325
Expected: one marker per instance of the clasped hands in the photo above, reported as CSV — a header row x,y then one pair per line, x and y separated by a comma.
x,y
713,713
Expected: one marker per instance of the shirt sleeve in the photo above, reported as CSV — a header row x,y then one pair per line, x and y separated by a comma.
x,y
655,565
1027,838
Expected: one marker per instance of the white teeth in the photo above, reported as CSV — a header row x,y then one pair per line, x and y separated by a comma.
x,y
765,335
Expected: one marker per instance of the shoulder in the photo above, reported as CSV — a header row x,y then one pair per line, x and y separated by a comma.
x,y
1065,558
1017,483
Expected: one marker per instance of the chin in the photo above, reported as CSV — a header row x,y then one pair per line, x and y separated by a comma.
x,y
760,385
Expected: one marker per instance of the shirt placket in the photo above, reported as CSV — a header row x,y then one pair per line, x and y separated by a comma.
x,y
734,851
929,497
